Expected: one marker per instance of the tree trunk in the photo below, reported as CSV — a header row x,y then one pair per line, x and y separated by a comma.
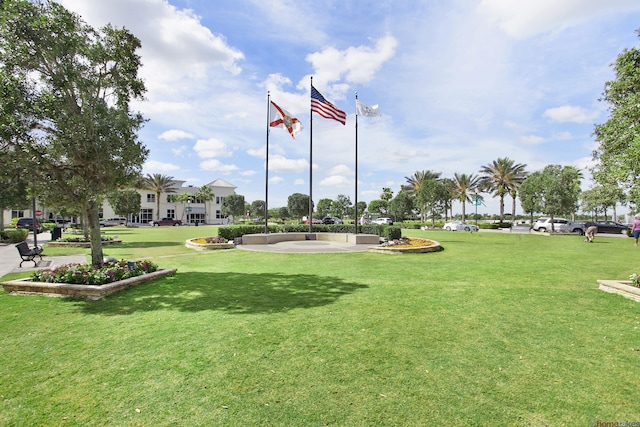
x,y
96,239
501,208
463,210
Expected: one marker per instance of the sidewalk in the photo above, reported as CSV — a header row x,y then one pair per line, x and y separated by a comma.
x,y
10,258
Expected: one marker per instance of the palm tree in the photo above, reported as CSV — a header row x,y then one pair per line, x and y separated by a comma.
x,y
502,177
205,194
184,199
417,179
464,187
160,184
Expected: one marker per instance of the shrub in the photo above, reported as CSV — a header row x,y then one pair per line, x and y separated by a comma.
x,y
234,231
392,233
14,236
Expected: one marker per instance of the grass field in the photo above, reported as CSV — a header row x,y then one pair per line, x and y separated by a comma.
x,y
497,329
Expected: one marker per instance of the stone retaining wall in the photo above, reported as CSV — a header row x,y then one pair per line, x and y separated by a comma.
x,y
264,239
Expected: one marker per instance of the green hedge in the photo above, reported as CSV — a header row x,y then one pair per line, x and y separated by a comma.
x,y
233,231
392,232
14,236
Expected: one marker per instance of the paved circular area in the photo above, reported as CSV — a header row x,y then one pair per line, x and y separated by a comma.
x,y
306,246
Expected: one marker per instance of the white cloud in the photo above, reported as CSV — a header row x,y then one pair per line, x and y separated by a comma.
x,y
340,170
216,165
336,181
532,140
282,164
175,135
356,65
207,148
568,113
276,180
155,166
179,150
526,18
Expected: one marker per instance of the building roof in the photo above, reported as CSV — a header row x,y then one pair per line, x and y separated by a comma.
x,y
221,183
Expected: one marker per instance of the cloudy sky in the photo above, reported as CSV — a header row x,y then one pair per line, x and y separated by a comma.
x,y
459,83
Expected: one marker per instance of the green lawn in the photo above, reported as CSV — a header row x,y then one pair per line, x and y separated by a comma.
x,y
497,329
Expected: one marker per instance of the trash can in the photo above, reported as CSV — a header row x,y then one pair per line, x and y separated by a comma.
x,y
56,233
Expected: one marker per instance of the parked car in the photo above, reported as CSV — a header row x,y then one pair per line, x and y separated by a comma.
x,y
166,221
387,221
331,220
611,227
112,222
315,221
459,226
27,224
559,224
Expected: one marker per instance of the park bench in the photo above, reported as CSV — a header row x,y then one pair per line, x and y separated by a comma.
x,y
27,253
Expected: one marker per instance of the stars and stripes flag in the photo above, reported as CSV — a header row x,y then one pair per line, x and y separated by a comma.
x,y
283,119
326,109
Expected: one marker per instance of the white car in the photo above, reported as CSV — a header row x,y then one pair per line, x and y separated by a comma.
x,y
459,226
559,225
112,222
388,221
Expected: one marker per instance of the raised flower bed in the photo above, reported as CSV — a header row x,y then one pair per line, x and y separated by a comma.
x,y
407,245
209,243
81,242
85,281
626,288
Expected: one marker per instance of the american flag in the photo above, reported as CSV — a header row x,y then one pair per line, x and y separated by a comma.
x,y
325,108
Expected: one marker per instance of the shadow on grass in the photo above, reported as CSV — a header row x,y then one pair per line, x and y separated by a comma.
x,y
233,293
127,245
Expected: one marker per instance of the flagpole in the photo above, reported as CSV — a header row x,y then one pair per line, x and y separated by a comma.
x,y
310,165
356,205
266,180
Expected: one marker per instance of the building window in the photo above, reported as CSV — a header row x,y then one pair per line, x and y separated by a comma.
x,y
151,198
146,215
218,200
17,214
199,201
171,213
195,218
218,214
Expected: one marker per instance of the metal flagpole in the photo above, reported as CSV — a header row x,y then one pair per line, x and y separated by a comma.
x,y
311,165
356,205
266,180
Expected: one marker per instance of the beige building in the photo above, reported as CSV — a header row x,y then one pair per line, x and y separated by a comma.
x,y
192,212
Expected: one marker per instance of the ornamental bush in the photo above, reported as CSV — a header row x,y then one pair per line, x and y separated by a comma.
x,y
392,233
14,236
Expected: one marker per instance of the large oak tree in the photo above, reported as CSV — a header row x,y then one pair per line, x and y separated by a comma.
x,y
65,106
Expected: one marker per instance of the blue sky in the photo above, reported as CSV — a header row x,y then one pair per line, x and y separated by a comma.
x,y
459,84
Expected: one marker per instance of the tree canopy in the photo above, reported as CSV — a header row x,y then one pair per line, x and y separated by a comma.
x,y
298,205
618,153
66,89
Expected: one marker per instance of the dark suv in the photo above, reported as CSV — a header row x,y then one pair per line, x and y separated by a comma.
x,y
27,223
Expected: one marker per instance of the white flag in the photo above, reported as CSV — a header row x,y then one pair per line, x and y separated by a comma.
x,y
363,109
